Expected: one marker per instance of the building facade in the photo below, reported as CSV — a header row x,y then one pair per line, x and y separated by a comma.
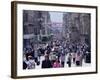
x,y
35,26
76,27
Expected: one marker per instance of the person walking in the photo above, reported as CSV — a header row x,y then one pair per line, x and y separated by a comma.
x,y
52,57
62,58
74,56
78,59
30,63
69,60
46,63
57,64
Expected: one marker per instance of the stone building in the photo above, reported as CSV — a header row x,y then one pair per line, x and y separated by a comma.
x,y
76,27
35,26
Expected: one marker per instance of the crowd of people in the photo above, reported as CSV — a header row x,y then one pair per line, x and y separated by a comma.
x,y
54,53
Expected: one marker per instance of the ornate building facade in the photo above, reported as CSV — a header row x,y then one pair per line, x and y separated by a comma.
x,y
35,26
76,27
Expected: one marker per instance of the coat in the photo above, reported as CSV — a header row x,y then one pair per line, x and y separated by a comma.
x,y
56,65
46,64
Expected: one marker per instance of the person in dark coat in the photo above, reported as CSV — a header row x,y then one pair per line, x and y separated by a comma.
x,y
41,50
24,65
46,63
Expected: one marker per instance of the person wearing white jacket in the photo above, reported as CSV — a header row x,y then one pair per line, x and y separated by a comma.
x,y
30,63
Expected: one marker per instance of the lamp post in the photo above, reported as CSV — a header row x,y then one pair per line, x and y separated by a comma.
x,y
40,24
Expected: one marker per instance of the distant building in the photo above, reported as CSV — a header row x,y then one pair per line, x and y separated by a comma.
x,y
76,26
35,25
